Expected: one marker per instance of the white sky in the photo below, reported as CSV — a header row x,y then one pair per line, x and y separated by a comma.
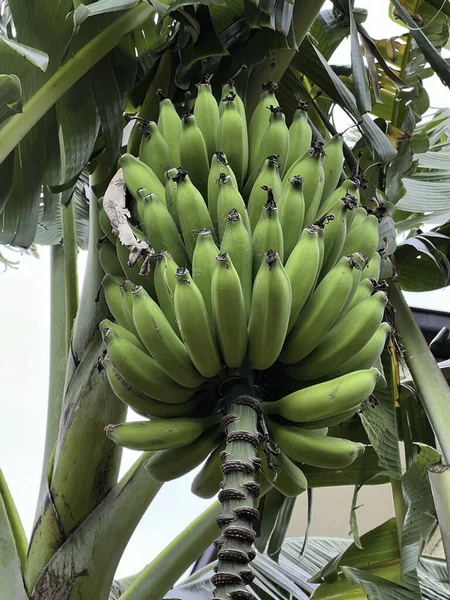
x,y
24,351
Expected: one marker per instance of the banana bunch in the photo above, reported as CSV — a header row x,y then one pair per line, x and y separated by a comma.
x,y
264,260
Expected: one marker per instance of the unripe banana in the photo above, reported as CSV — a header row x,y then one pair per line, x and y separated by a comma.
x,y
373,269
194,325
219,165
368,355
154,151
203,266
311,448
326,399
335,232
303,268
320,313
309,166
363,292
193,153
107,256
231,137
332,165
159,435
347,187
123,333
288,478
230,320
126,288
237,243
291,209
206,484
344,340
133,272
336,419
143,404
206,112
230,88
229,198
113,295
105,224
269,176
363,238
169,124
142,372
176,462
300,135
269,312
268,233
161,229
275,141
260,117
170,188
359,216
165,281
192,211
161,340
138,175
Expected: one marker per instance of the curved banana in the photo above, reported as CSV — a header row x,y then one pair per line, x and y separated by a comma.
x,y
170,188
138,175
229,199
332,165
260,117
231,137
206,111
126,288
335,232
154,150
347,187
113,295
320,313
325,399
344,340
143,372
269,312
107,256
164,278
162,342
287,477
203,266
193,153
169,124
230,320
363,292
269,176
291,209
161,434
237,243
313,448
300,135
123,333
206,484
363,238
219,166
268,233
194,325
373,269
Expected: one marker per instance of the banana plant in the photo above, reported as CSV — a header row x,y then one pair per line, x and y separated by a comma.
x,y
290,230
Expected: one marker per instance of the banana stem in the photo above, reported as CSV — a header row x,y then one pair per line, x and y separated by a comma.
x,y
161,574
439,476
431,386
80,63
239,495
70,268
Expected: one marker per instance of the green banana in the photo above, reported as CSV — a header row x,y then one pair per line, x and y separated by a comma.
x,y
309,166
373,269
193,153
206,112
192,211
123,333
164,278
344,340
300,135
143,404
325,399
230,88
170,188
260,117
160,228
126,288
161,434
363,238
269,176
268,233
154,151
138,175
162,342
303,268
169,124
237,243
314,449
194,325
133,272
287,477
203,266
206,484
328,422
363,292
332,165
275,141
141,371
105,224
347,187
230,320
167,465
291,209
335,232
231,137
320,312
219,165
229,198
269,312
359,216
113,295
107,256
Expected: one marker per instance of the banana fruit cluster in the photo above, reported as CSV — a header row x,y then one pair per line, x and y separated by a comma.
x,y
264,261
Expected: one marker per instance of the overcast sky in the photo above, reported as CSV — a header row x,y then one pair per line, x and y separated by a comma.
x,y
24,348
